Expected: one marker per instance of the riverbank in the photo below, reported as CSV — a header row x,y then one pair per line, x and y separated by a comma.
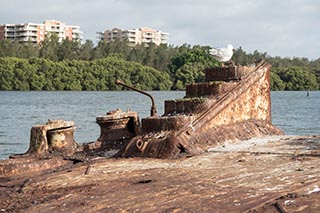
x,y
257,175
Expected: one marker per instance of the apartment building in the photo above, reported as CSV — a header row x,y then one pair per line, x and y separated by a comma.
x,y
134,36
33,32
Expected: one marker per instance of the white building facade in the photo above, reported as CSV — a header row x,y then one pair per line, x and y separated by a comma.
x,y
35,33
135,36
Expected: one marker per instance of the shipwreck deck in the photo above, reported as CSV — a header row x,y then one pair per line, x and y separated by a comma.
x,y
271,174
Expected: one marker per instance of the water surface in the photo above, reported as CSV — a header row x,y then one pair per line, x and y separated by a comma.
x,y
293,112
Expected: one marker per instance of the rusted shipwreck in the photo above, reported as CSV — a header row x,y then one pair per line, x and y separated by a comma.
x,y
233,103
268,174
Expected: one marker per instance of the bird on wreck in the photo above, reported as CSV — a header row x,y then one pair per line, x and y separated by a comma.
x,y
223,54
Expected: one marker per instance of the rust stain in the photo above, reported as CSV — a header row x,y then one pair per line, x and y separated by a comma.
x,y
236,108
217,118
232,104
258,175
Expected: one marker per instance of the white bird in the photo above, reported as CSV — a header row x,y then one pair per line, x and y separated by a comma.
x,y
223,54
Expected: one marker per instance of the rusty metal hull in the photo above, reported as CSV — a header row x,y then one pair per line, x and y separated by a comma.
x,y
269,174
250,176
241,111
212,113
54,136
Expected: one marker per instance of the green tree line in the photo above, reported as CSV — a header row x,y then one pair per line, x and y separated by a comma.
x,y
44,74
286,73
71,65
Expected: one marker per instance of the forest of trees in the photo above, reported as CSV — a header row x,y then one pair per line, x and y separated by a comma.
x,y
286,73
71,65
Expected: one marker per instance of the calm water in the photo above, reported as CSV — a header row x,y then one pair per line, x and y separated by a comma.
x,y
293,112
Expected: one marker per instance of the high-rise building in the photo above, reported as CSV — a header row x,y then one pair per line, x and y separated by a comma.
x,y
134,36
32,32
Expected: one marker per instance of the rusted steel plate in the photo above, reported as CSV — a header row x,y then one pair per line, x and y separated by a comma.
x,y
254,175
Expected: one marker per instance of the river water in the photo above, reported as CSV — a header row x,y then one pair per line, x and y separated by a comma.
x,y
293,112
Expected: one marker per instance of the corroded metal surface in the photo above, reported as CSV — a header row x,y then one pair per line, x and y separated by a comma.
x,y
165,123
49,143
116,127
31,165
227,73
185,106
245,109
60,138
209,88
237,111
258,175
153,110
274,174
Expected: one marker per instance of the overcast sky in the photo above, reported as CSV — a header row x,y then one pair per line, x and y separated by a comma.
x,y
285,28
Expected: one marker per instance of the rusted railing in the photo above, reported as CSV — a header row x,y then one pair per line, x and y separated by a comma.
x,y
153,111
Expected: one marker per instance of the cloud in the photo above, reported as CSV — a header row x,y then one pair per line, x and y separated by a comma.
x,y
284,28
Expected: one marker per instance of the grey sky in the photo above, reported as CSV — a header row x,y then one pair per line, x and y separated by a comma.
x,y
283,28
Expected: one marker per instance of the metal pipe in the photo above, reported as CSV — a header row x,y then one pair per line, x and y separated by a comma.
x,y
153,111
